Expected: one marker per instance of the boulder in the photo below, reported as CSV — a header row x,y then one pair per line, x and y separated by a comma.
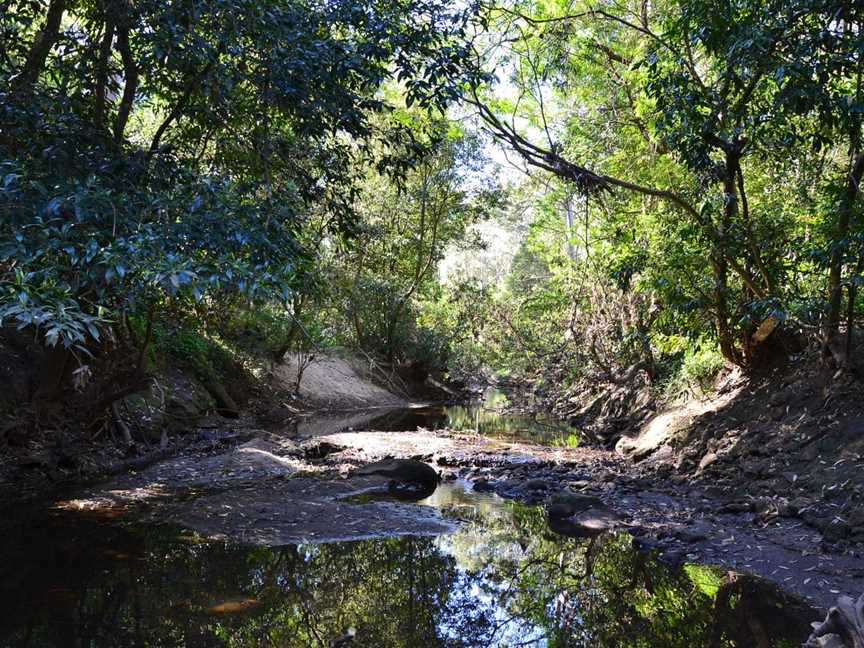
x,y
586,524
403,470
566,504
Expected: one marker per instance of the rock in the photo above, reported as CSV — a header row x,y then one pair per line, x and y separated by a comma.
x,y
800,503
645,544
279,415
483,485
694,533
856,519
707,460
537,484
586,524
835,530
579,484
404,470
673,557
735,507
531,499
320,449
809,452
410,491
755,469
567,504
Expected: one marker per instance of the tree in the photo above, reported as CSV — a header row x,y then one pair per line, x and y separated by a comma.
x,y
705,92
405,229
169,152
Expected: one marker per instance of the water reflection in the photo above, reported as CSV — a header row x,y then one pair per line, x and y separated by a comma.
x,y
503,579
486,416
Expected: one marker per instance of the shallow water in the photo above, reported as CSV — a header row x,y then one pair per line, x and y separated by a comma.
x,y
486,416
502,579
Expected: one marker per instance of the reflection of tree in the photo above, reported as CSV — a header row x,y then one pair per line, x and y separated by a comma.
x,y
600,592
395,592
503,580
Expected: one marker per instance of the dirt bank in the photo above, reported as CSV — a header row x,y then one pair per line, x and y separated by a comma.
x,y
339,381
176,413
788,443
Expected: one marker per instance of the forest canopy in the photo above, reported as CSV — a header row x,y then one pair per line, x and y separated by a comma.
x,y
690,189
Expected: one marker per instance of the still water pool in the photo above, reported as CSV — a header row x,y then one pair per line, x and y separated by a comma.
x,y
501,579
489,416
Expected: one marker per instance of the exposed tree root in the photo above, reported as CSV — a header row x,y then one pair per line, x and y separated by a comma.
x,y
842,628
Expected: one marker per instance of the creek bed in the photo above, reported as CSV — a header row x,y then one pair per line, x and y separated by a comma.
x,y
499,578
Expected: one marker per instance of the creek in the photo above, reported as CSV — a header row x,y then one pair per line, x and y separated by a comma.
x,y
501,578
490,415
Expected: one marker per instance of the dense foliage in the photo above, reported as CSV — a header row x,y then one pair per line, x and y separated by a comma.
x,y
165,158
695,168
296,175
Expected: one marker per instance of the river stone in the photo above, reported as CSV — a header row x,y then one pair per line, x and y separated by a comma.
x,y
536,484
565,504
483,485
320,449
707,460
586,524
694,533
404,470
835,530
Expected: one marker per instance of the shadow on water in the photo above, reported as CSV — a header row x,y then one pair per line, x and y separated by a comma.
x,y
502,579
486,416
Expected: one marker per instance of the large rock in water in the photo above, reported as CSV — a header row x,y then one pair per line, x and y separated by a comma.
x,y
567,504
587,524
579,516
409,471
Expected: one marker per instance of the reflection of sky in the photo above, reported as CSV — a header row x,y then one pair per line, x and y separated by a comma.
x,y
473,590
470,546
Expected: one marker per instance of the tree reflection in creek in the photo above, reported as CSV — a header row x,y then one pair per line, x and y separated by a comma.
x,y
502,580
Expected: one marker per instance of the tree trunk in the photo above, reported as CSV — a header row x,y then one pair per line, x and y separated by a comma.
x,y
296,309
835,271
850,308
100,91
842,628
130,81
225,405
720,265
40,48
